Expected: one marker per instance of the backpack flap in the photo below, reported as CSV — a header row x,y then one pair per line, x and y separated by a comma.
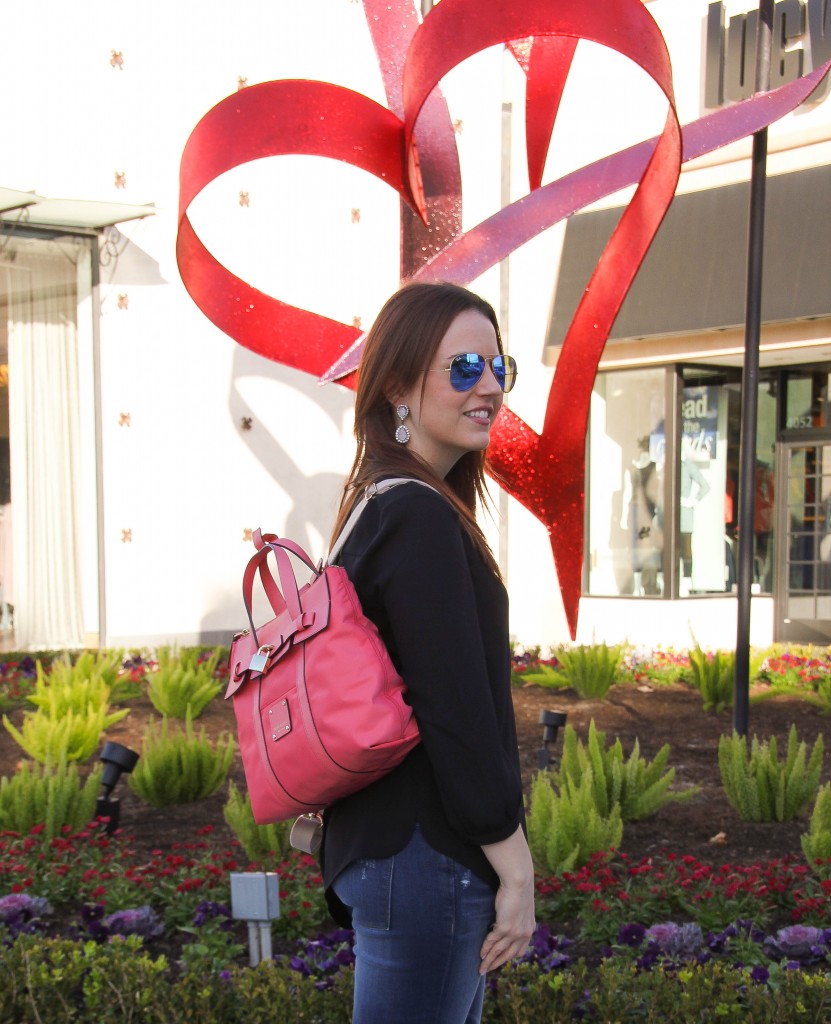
x,y
254,652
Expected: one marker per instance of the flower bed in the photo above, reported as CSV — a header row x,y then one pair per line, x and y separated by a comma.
x,y
116,928
670,918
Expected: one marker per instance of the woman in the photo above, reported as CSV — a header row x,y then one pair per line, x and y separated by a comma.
x,y
430,864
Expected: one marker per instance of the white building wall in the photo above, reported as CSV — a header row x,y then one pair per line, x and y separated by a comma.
x,y
184,480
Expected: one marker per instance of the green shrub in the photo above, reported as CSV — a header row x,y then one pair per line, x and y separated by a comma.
x,y
64,693
589,670
617,993
819,695
543,675
761,788
260,842
183,683
58,981
72,709
65,674
48,796
816,842
639,787
565,828
179,768
75,736
712,676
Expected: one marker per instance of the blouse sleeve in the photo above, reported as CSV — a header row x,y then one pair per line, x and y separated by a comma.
x,y
423,581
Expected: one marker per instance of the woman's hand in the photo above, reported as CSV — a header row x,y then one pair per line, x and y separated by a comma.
x,y
514,925
513,928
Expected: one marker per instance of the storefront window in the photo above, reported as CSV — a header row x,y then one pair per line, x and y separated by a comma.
x,y
626,457
807,399
709,484
634,545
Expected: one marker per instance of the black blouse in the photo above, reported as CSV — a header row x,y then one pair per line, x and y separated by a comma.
x,y
444,619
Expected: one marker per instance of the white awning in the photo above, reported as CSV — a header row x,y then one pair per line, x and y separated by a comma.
x,y
89,214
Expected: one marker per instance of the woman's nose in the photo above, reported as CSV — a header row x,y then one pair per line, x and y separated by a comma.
x,y
488,382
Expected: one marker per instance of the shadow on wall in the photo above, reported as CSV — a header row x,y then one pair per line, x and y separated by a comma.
x,y
123,262
314,497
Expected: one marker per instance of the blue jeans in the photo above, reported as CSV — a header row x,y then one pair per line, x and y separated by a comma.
x,y
420,919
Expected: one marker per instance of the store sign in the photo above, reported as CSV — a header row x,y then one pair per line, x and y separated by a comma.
x,y
699,423
801,42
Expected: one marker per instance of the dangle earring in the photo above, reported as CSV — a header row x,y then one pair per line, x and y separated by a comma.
x,y
402,433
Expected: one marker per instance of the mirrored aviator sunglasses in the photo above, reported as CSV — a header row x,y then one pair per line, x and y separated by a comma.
x,y
466,370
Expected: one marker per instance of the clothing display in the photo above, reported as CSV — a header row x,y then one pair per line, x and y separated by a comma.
x,y
691,475
642,517
443,616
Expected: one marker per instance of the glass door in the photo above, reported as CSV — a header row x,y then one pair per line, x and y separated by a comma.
x,y
804,560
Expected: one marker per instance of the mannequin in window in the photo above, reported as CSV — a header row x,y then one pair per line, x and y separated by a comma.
x,y
641,516
693,489
763,525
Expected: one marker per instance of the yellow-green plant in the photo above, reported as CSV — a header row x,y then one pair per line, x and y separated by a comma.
x,y
763,788
590,670
182,682
260,842
565,827
712,676
73,737
819,695
816,842
72,709
544,675
53,797
639,787
64,672
180,767
67,693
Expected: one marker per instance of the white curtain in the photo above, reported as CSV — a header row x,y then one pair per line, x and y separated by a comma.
x,y
44,448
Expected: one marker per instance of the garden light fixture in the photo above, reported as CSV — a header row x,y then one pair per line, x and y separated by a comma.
x,y
117,759
551,721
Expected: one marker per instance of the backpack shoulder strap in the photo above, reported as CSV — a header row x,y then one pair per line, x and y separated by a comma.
x,y
355,515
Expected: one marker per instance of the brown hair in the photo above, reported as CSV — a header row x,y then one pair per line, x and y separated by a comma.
x,y
399,348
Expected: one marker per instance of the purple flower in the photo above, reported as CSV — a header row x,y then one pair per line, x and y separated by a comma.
x,y
143,921
210,910
545,950
631,934
92,920
298,964
676,940
323,957
22,913
20,906
799,943
760,975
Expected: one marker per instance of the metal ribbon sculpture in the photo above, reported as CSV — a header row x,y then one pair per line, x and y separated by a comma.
x,y
409,145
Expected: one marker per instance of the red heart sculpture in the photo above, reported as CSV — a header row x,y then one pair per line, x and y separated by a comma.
x,y
414,154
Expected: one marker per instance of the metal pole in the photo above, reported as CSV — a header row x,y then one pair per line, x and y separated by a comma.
x,y
750,383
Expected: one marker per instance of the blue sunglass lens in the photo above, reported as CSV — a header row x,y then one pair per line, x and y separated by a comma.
x,y
465,371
